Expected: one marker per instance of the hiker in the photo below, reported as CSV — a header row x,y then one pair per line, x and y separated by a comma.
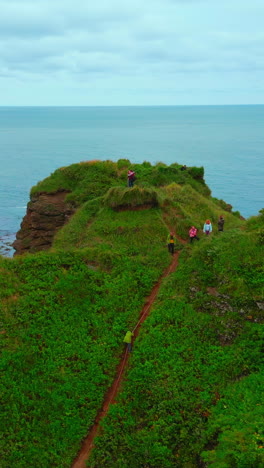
x,y
207,227
131,178
193,234
128,340
221,223
170,242
183,168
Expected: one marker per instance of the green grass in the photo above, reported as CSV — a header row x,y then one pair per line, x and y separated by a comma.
x,y
237,425
64,314
197,353
120,198
184,207
88,180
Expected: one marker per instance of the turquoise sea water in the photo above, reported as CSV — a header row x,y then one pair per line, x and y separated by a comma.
x,y
227,140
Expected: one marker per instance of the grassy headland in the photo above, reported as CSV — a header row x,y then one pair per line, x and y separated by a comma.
x,y
192,395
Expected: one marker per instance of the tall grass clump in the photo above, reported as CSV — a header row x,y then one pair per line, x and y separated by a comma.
x,y
119,197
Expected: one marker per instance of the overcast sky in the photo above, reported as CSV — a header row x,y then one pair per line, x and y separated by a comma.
x,y
131,52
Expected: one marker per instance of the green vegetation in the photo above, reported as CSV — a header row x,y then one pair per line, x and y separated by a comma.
x,y
64,315
193,391
118,197
88,180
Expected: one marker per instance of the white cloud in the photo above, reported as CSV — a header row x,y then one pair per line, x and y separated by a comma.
x,y
124,46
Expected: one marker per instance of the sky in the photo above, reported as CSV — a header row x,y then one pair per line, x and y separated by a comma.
x,y
124,52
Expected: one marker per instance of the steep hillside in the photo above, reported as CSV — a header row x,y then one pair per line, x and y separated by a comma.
x,y
192,395
55,199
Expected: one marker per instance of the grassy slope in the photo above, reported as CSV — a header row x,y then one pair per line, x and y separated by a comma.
x,y
65,311
65,318
194,390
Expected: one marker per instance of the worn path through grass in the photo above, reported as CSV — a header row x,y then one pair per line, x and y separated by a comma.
x,y
88,443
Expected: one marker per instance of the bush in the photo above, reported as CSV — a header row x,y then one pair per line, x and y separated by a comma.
x,y
123,163
260,236
196,172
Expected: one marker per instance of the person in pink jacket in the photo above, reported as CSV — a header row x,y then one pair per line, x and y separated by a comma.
x,y
131,177
193,234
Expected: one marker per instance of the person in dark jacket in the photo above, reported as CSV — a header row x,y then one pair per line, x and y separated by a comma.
x,y
221,223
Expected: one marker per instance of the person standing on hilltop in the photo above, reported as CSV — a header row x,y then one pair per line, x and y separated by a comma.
x,y
193,234
221,223
207,227
128,340
171,242
131,178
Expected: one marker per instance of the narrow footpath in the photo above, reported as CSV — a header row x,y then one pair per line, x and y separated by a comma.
x,y
88,443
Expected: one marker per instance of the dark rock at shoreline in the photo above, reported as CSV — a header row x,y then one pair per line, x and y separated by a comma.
x,y
6,244
46,213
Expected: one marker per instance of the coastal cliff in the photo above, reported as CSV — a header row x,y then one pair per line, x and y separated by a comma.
x,y
56,198
46,213
194,382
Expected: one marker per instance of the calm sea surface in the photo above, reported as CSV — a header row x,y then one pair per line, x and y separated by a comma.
x,y
227,140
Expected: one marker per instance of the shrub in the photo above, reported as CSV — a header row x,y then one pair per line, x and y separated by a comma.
x,y
261,237
146,164
196,172
123,163
256,222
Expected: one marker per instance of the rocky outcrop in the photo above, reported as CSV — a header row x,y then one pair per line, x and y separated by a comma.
x,y
46,213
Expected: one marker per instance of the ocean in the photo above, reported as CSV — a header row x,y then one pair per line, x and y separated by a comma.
x,y
227,140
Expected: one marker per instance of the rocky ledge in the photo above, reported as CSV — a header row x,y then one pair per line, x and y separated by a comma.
x,y
46,213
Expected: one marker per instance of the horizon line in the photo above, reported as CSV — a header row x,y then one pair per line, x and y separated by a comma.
x,y
128,105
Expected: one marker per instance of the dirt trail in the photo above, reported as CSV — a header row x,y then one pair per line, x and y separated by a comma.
x,y
88,443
